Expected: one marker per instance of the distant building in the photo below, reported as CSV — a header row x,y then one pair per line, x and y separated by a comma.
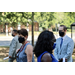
x,y
3,27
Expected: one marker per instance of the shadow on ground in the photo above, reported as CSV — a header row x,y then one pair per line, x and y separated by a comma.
x,y
5,50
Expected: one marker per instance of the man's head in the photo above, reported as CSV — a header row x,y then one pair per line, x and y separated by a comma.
x,y
14,33
62,30
18,32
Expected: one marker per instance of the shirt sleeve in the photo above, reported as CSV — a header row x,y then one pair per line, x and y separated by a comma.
x,y
69,49
13,47
56,51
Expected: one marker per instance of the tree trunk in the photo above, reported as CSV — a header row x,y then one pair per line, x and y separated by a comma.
x,y
32,28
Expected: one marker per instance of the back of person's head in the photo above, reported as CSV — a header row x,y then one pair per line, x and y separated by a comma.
x,y
24,32
18,32
15,31
44,43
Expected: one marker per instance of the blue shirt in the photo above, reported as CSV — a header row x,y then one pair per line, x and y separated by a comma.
x,y
54,45
53,58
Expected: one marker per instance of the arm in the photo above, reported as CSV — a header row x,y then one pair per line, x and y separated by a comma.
x,y
46,58
29,52
56,52
13,48
69,49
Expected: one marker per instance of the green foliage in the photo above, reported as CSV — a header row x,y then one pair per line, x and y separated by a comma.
x,y
14,17
45,19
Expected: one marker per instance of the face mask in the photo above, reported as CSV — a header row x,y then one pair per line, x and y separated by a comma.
x,y
61,33
21,39
13,35
54,45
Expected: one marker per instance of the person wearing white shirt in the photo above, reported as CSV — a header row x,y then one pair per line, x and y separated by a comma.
x,y
64,46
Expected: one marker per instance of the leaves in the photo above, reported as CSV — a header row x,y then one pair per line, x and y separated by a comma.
x,y
45,19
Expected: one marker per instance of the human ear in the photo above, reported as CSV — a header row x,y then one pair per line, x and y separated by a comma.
x,y
25,37
65,30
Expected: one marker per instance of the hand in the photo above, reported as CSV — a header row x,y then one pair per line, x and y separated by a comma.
x,y
17,50
65,60
61,60
9,56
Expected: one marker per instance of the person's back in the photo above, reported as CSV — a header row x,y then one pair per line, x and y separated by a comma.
x,y
44,46
46,57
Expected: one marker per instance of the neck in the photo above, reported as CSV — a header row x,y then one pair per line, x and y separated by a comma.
x,y
64,35
24,42
15,34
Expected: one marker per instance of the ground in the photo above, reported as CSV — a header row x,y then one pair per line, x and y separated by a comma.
x,y
5,41
4,53
5,50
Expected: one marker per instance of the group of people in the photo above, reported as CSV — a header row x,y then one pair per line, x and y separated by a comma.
x,y
47,48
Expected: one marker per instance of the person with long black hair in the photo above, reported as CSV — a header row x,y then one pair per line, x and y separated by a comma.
x,y
44,46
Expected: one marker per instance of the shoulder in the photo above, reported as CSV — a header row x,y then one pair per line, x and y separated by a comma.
x,y
16,37
58,39
29,46
29,49
46,58
69,39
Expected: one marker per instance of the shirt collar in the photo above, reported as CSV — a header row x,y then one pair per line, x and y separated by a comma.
x,y
64,37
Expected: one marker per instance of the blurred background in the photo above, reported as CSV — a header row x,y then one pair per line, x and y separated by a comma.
x,y
35,23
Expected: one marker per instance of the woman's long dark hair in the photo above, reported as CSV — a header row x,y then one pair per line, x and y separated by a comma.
x,y
44,43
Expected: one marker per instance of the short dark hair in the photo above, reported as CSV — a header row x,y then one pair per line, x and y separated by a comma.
x,y
44,43
65,28
15,31
24,32
18,32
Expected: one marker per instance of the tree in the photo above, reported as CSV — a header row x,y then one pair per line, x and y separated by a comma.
x,y
32,28
14,17
44,18
63,18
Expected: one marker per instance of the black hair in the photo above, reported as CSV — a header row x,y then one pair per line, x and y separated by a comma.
x,y
15,31
18,32
44,43
65,28
24,32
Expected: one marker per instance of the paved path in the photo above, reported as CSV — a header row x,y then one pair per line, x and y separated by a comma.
x,y
5,41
